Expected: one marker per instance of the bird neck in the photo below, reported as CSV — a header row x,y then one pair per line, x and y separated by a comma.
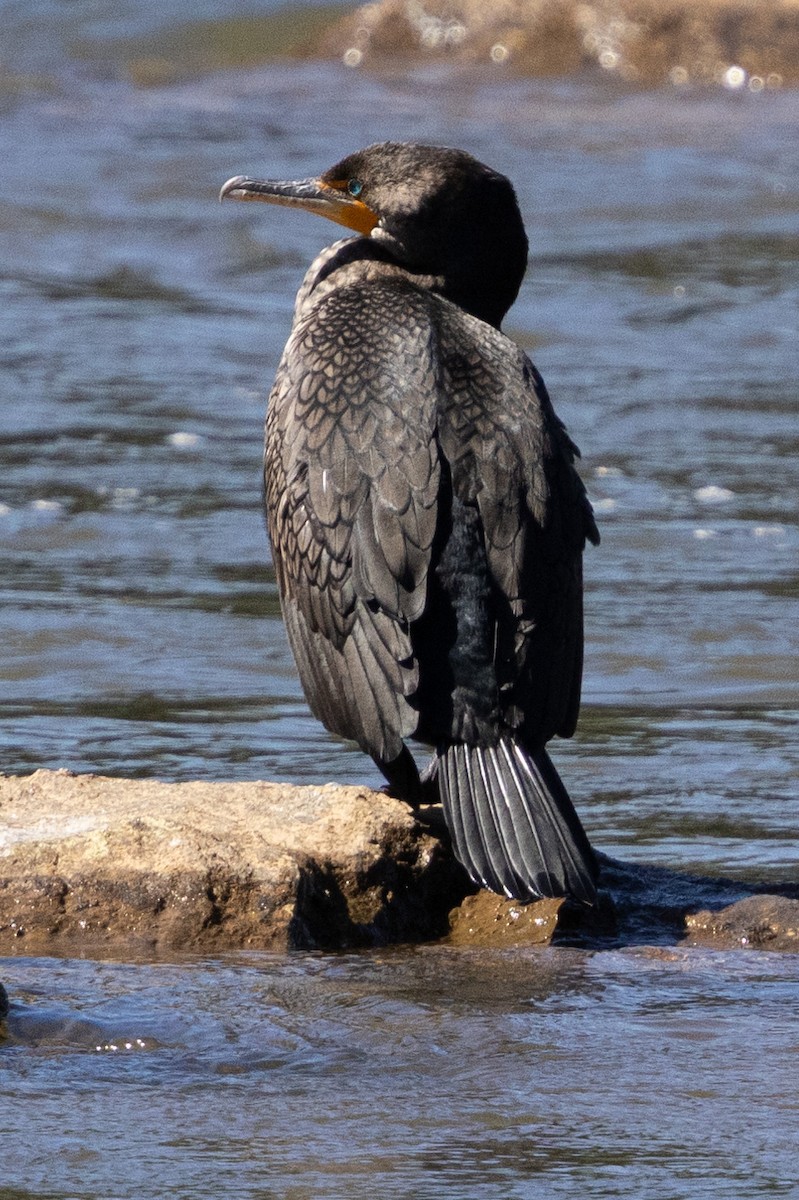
x,y
484,297
486,281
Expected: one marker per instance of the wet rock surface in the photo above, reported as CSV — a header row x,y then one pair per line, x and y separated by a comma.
x,y
763,922
488,920
92,865
730,42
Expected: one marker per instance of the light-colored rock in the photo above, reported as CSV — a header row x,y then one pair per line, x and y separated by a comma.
x,y
90,863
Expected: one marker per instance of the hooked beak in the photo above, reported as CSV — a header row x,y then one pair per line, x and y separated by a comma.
x,y
314,195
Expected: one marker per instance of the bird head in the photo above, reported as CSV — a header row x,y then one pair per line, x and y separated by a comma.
x,y
436,211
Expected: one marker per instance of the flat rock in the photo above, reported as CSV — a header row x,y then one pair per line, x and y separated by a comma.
x,y
90,863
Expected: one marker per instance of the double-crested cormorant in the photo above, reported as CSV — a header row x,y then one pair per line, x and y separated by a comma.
x,y
426,519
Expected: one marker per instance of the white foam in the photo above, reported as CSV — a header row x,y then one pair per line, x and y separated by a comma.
x,y
608,472
184,440
712,494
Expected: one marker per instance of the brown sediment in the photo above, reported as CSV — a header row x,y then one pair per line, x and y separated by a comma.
x,y
737,43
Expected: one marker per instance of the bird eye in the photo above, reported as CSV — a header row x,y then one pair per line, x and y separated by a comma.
x,y
355,187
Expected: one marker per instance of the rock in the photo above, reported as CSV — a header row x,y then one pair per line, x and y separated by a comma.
x,y
129,867
4,1006
489,920
730,42
92,864
763,922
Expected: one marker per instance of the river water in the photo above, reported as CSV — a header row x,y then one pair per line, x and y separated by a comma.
x,y
139,631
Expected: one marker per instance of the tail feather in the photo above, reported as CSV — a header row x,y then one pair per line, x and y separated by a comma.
x,y
468,823
496,867
501,805
512,823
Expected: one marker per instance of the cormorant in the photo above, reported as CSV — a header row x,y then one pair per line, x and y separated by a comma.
x,y
426,518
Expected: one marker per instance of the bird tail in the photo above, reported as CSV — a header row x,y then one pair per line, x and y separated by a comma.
x,y
512,823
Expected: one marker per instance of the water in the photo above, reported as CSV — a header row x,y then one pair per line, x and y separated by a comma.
x,y
422,1073
140,326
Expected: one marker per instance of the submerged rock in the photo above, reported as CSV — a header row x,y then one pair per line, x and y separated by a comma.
x,y
758,922
657,904
731,42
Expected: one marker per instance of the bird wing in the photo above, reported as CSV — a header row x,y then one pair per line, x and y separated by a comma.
x,y
352,477
513,459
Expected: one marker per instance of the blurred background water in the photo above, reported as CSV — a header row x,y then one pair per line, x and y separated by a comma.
x,y
140,327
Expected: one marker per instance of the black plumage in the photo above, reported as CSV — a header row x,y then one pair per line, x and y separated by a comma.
x,y
426,519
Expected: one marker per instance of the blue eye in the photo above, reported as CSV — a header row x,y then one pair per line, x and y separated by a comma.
x,y
355,187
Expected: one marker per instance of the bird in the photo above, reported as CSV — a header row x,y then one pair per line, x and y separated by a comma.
x,y
426,517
